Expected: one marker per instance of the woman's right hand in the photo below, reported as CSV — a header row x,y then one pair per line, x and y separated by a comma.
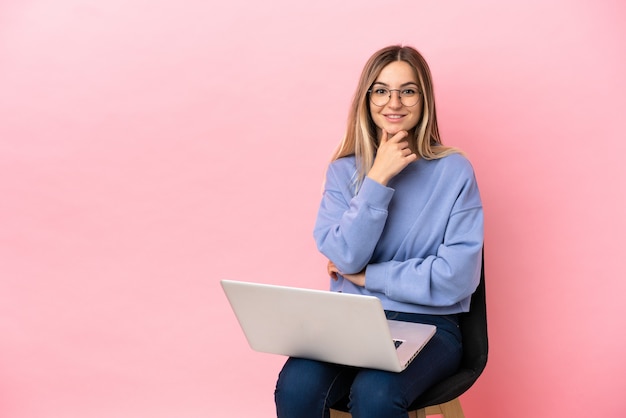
x,y
393,155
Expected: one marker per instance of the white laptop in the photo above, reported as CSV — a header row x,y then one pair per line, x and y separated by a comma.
x,y
323,325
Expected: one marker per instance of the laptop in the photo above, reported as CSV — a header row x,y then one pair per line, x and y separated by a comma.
x,y
322,325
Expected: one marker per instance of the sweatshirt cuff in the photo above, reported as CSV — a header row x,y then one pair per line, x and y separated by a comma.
x,y
376,278
375,194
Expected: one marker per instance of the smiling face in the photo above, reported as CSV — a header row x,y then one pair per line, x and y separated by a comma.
x,y
393,117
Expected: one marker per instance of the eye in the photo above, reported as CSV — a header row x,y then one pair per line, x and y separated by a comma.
x,y
381,91
409,92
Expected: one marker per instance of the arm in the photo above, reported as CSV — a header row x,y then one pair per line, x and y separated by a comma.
x,y
348,228
449,271
442,279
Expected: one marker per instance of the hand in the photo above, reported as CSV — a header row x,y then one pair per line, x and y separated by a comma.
x,y
393,155
332,270
358,278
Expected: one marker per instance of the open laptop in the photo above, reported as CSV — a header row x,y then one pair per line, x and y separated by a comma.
x,y
323,325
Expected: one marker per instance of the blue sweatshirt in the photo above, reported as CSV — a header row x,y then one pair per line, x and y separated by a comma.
x,y
419,238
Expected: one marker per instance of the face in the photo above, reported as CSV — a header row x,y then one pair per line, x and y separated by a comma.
x,y
394,116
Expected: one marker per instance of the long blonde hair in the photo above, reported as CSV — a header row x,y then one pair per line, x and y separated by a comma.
x,y
361,138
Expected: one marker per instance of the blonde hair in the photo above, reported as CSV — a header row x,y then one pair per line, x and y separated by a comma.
x,y
361,138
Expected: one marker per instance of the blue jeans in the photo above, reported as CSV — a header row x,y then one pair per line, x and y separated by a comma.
x,y
308,388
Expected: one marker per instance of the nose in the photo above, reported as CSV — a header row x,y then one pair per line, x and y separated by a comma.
x,y
394,99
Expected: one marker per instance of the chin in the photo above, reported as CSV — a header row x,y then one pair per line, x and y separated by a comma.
x,y
395,129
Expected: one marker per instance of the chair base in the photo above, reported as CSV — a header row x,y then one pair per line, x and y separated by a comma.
x,y
450,409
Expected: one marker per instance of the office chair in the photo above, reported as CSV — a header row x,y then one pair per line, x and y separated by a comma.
x,y
443,397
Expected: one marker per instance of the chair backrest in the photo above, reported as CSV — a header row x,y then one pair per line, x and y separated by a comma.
x,y
473,326
474,329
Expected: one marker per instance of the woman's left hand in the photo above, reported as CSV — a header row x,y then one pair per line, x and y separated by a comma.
x,y
358,278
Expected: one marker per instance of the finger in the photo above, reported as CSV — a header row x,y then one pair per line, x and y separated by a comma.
x,y
399,136
384,137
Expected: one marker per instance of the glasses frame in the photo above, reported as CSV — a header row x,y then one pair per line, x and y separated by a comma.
x,y
371,89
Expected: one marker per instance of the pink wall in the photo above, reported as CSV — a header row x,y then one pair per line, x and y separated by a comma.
x,y
150,148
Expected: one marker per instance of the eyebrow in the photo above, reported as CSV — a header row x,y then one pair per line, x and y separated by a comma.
x,y
410,83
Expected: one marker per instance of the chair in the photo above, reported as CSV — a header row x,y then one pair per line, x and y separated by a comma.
x,y
443,398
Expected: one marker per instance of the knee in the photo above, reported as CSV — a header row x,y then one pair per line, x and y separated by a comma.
x,y
292,383
376,398
296,388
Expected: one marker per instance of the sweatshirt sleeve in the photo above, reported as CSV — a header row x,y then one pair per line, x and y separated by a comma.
x,y
348,227
450,275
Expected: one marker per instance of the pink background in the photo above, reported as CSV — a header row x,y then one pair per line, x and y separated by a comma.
x,y
149,149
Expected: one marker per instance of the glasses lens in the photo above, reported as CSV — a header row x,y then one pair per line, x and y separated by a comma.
x,y
379,96
409,97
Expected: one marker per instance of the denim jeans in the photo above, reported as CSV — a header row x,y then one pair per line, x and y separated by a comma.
x,y
308,388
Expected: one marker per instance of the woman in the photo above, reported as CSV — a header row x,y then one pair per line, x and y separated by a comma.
x,y
401,219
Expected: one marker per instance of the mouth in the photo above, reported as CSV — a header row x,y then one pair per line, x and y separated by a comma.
x,y
394,117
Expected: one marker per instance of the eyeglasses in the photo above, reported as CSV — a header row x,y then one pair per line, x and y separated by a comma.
x,y
409,96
